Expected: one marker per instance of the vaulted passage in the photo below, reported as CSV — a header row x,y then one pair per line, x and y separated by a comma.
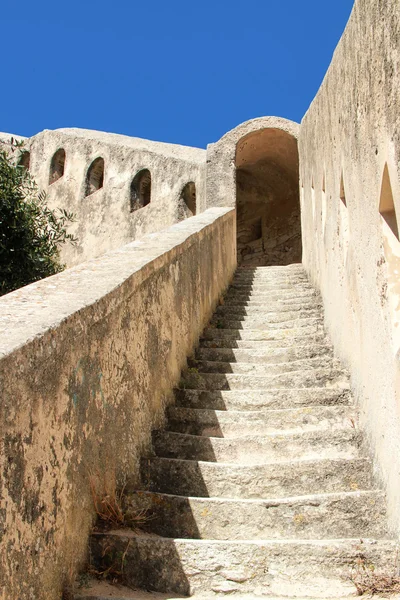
x,y
267,199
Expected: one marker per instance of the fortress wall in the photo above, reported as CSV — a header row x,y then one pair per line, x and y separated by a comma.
x,y
104,220
88,359
349,175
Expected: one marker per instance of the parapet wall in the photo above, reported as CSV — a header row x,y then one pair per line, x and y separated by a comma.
x,y
107,214
88,359
350,194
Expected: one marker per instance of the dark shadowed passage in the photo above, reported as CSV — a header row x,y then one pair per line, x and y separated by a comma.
x,y
267,196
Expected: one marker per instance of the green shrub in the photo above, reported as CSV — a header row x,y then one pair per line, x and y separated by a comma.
x,y
30,233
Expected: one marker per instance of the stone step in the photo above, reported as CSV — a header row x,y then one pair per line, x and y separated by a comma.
x,y
265,323
281,299
272,286
265,274
264,355
329,516
262,334
317,569
293,379
248,368
277,313
226,424
262,306
256,450
271,296
205,479
268,283
263,278
261,399
95,590
292,268
104,591
264,344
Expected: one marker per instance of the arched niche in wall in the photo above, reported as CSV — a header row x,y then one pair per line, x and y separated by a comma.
x,y
187,201
57,166
140,190
95,176
25,160
267,198
386,203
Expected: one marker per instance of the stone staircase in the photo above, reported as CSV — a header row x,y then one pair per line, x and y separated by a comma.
x,y
259,487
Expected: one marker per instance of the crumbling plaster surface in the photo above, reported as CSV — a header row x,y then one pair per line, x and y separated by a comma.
x,y
352,129
221,157
88,359
103,219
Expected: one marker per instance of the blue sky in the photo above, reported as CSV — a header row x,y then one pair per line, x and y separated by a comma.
x,y
175,70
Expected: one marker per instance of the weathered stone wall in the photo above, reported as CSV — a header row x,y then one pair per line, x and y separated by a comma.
x,y
88,361
104,219
350,138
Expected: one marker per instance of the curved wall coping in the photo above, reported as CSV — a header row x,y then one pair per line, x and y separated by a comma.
x,y
128,142
29,312
221,167
253,125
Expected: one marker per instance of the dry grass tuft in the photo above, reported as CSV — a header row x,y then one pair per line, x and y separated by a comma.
x,y
108,506
113,510
370,582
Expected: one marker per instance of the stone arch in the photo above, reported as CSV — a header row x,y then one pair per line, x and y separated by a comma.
x,y
95,176
57,166
25,160
255,167
187,201
140,190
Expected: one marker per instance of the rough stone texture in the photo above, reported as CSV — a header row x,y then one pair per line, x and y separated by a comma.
x,y
347,515
104,220
263,568
232,423
258,449
255,168
88,360
265,355
199,478
102,591
349,148
350,201
261,399
283,463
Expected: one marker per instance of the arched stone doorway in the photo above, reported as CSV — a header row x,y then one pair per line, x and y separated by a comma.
x,y
267,199
255,167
